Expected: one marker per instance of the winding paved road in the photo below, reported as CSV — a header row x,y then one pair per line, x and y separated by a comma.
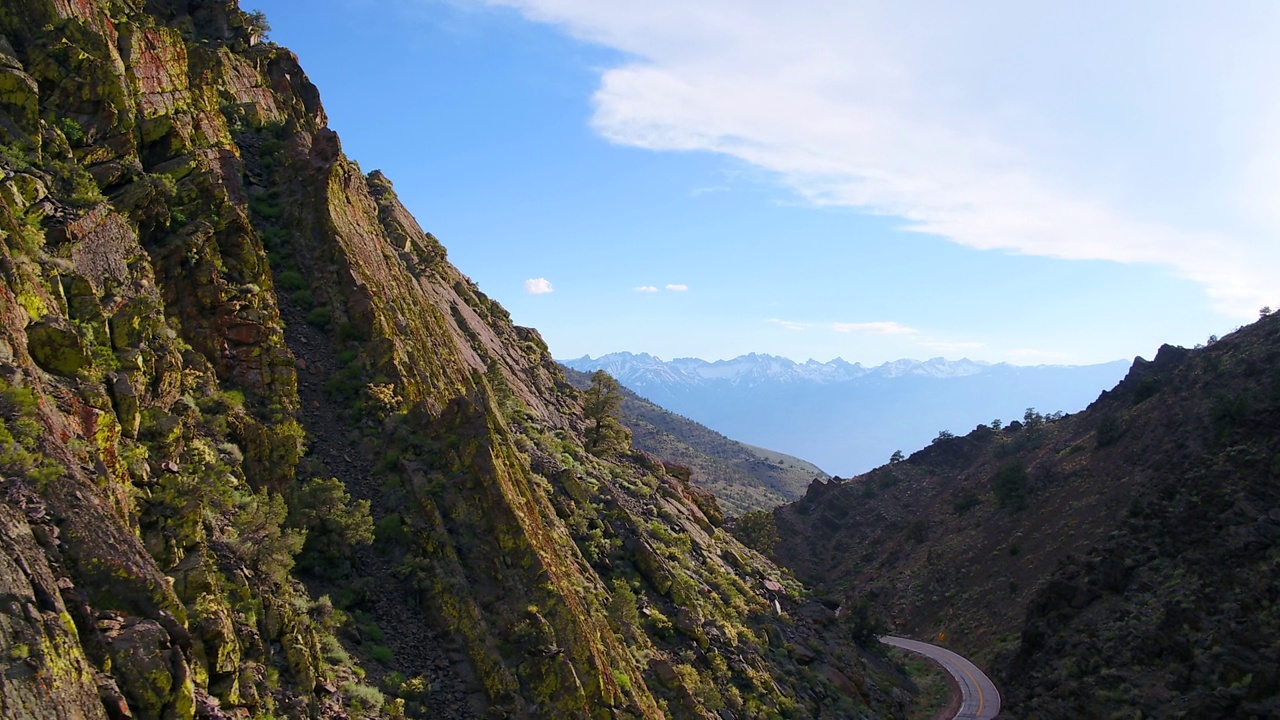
x,y
979,698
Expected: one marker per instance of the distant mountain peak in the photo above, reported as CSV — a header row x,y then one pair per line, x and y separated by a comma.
x,y
847,416
752,368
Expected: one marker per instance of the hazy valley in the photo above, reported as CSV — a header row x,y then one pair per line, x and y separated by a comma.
x,y
842,416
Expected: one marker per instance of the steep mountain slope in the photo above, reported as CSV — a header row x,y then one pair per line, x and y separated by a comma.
x,y
741,476
265,452
847,418
1120,562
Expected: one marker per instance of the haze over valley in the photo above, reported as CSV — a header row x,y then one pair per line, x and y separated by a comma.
x,y
843,416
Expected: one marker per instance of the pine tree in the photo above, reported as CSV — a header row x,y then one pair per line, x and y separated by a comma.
x,y
601,404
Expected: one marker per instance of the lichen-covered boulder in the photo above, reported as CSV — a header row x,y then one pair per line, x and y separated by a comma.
x,y
19,98
124,398
652,567
43,671
56,346
153,675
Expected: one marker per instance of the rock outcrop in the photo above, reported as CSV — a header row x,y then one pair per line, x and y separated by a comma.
x,y
266,452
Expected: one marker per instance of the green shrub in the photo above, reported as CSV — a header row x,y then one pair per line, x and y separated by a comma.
x,y
864,626
333,523
1110,428
14,158
74,185
918,530
1147,388
622,608
964,501
363,697
292,280
320,317
390,531
72,130
382,654
1010,486
261,538
757,530
266,206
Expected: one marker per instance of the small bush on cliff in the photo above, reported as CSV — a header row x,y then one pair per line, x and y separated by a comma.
x,y
320,317
964,501
757,530
334,524
71,130
261,537
864,626
20,433
1010,486
14,158
74,185
1109,430
622,609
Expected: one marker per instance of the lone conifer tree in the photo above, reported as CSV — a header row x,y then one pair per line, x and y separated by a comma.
x,y
601,404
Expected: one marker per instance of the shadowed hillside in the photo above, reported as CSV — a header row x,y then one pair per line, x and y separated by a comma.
x,y
1119,562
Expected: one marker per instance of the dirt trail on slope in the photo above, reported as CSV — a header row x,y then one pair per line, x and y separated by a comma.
x,y
418,648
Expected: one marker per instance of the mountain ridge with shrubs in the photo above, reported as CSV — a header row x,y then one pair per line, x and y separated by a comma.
x,y
1117,562
266,453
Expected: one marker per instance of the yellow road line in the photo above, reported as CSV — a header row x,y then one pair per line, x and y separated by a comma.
x,y
976,686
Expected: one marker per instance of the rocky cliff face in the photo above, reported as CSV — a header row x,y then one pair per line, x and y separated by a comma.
x,y
265,451
1119,562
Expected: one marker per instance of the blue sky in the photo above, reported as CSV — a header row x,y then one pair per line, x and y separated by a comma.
x,y
819,179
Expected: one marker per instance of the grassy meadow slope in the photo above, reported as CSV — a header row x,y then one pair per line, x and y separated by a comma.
x,y
1119,562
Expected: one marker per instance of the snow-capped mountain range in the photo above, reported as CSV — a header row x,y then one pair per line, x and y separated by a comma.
x,y
847,417
644,370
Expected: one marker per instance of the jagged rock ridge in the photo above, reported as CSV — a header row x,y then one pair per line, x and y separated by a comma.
x,y
183,238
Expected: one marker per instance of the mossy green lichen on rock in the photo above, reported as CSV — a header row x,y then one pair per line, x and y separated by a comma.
x,y
153,673
206,144
57,346
43,670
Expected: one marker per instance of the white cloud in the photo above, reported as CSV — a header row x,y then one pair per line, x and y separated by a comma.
x,y
538,286
646,289
677,288
874,328
791,324
1135,132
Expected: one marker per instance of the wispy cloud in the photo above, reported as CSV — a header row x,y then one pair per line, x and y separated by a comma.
x,y
989,125
538,286
791,324
646,289
874,328
677,288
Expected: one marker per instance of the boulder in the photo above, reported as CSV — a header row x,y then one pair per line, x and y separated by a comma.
x,y
56,346
153,675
